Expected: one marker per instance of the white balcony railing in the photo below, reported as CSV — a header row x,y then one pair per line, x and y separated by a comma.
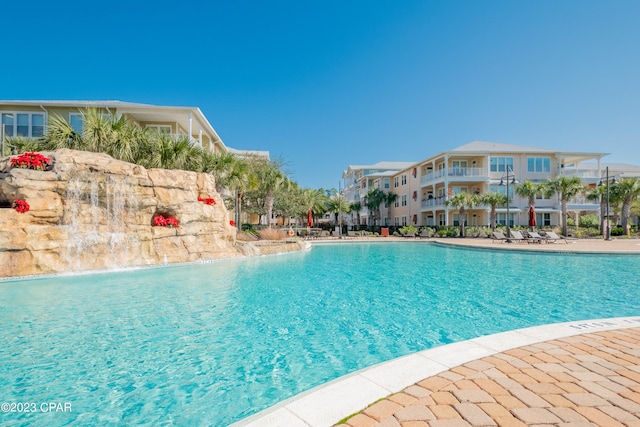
x,y
455,173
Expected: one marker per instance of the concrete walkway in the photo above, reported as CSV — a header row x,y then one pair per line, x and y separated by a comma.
x,y
585,380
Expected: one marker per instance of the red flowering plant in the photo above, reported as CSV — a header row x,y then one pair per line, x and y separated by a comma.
x,y
31,160
162,221
20,206
207,201
232,223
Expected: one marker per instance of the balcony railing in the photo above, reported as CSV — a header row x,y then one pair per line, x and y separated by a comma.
x,y
582,173
437,201
582,201
455,173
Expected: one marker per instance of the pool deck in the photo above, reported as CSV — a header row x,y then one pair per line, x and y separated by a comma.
x,y
582,373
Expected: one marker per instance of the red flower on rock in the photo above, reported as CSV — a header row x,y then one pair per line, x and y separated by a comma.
x,y
31,160
20,206
161,221
207,201
232,223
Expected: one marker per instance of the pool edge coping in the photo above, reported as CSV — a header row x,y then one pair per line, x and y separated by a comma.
x,y
331,402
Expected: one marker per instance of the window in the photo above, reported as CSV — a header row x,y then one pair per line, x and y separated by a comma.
x,y
502,189
441,219
77,122
404,179
404,221
543,219
500,164
456,219
458,167
162,129
457,190
7,124
395,182
501,218
396,221
404,200
538,164
387,183
396,204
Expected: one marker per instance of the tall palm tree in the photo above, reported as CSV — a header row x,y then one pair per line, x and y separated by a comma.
x,y
337,205
270,179
356,207
372,200
530,190
493,200
599,194
461,201
627,190
567,188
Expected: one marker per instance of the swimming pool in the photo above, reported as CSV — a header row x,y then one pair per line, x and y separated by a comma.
x,y
214,343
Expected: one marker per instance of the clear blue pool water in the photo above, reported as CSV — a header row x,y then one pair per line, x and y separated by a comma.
x,y
211,344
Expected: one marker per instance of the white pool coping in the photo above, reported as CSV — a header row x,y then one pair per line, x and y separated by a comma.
x,y
328,403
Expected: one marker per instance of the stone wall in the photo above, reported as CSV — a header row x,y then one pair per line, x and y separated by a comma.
x,y
91,212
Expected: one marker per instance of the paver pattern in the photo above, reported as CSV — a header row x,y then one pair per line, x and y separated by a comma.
x,y
584,380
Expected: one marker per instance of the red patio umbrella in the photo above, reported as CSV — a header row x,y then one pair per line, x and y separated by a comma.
x,y
532,217
309,218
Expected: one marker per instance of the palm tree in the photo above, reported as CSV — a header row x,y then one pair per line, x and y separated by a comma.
x,y
461,201
60,134
356,207
567,188
627,190
373,200
337,205
270,179
599,194
530,190
493,200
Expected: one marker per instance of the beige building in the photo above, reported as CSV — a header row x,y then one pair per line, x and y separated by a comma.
x,y
29,119
481,167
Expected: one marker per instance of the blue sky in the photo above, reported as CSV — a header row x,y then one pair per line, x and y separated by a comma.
x,y
326,84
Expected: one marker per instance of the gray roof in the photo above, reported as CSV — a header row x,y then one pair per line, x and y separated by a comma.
x,y
494,147
74,103
385,165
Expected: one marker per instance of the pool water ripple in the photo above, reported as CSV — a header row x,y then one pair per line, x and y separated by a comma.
x,y
211,344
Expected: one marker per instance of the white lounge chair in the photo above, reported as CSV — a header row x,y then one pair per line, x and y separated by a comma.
x,y
517,237
553,237
497,236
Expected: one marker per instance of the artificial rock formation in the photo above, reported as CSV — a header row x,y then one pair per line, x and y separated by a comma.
x,y
92,212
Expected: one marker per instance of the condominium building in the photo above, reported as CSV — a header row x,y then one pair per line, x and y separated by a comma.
x,y
359,179
29,119
422,188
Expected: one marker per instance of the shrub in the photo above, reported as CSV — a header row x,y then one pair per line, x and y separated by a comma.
x,y
589,221
617,231
407,229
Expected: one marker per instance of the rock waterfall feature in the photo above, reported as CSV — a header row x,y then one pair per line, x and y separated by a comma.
x,y
88,211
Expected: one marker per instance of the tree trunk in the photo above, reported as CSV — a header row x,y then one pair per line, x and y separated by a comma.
x,y
626,213
461,219
269,203
492,219
564,218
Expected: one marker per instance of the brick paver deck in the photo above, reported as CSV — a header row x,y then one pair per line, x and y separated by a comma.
x,y
584,380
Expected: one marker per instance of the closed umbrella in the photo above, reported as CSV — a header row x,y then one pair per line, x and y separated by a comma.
x,y
309,218
532,217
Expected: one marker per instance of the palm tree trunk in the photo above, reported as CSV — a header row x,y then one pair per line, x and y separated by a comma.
x,y
564,217
626,213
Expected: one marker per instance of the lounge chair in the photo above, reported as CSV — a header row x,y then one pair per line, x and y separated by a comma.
x,y
517,237
497,236
411,234
424,233
351,234
535,237
553,237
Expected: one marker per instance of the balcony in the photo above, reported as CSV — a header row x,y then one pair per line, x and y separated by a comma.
x,y
437,201
583,204
464,174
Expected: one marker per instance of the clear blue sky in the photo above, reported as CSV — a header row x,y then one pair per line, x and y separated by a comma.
x,y
326,84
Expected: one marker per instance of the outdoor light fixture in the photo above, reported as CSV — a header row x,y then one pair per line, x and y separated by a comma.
x,y
505,181
600,184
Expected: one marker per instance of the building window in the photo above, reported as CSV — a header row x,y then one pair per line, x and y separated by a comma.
x,y
27,125
501,218
77,122
500,164
441,220
502,189
396,221
538,164
543,219
396,203
458,190
404,200
387,184
404,179
395,182
161,129
404,221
